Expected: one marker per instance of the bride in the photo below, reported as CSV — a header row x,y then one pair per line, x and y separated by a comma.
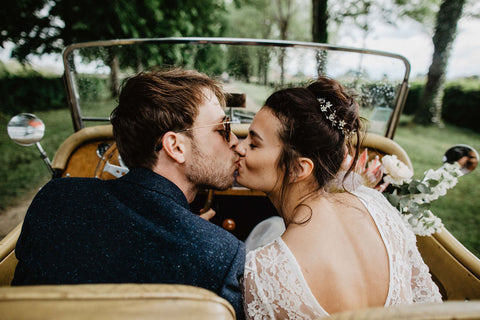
x,y
340,251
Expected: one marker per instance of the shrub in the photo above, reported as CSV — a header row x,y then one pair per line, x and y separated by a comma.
x,y
91,88
413,98
461,106
3,70
30,94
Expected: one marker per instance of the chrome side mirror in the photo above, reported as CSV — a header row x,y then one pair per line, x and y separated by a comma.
x,y
26,129
465,155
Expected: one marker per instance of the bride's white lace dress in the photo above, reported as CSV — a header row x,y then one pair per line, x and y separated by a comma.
x,y
274,286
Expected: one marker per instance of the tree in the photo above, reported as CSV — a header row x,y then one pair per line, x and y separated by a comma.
x,y
269,19
338,13
319,21
445,32
430,110
260,24
47,26
283,12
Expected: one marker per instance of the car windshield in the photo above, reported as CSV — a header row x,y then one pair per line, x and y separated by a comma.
x,y
249,69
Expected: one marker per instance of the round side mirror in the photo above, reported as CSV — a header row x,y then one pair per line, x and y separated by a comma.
x,y
25,129
465,155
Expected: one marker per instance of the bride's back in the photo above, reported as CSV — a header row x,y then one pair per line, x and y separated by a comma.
x,y
332,257
341,253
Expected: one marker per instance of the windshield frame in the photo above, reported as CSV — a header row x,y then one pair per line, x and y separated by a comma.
x,y
73,97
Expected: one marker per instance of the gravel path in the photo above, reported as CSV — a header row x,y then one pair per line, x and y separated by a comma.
x,y
12,216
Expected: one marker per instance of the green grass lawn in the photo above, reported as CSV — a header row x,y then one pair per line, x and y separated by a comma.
x,y
22,171
459,209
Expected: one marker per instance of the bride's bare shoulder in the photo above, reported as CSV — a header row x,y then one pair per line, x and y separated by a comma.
x,y
328,224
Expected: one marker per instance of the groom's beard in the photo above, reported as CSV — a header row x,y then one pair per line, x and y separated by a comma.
x,y
208,171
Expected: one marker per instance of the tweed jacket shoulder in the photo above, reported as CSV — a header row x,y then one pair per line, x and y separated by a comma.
x,y
135,229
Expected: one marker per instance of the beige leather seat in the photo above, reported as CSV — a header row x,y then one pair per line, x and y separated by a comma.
x,y
8,261
112,301
442,311
454,268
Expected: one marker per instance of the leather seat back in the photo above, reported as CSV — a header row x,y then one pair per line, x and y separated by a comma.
x,y
113,301
8,261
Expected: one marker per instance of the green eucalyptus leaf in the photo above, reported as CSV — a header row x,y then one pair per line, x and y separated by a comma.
x,y
393,199
425,206
423,188
433,183
412,188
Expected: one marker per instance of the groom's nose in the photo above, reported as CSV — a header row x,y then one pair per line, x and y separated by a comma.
x,y
233,143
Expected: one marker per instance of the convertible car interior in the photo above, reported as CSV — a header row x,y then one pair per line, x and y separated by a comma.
x,y
90,151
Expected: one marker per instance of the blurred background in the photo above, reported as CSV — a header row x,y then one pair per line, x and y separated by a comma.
x,y
438,37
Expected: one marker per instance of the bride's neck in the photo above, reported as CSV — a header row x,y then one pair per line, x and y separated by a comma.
x,y
295,195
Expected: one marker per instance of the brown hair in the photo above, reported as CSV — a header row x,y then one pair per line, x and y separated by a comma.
x,y
151,104
306,131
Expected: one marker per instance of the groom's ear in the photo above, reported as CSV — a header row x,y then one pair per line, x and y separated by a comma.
x,y
174,146
304,169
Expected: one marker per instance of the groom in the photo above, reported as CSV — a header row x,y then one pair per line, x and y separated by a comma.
x,y
173,135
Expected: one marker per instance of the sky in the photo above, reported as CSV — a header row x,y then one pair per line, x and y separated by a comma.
x,y
407,39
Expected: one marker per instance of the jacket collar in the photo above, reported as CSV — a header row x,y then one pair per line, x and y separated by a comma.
x,y
150,180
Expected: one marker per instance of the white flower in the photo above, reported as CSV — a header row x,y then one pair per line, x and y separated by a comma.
x,y
430,197
431,174
424,225
439,191
396,171
453,168
411,197
430,224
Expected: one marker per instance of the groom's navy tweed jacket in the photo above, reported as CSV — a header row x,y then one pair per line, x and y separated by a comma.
x,y
135,229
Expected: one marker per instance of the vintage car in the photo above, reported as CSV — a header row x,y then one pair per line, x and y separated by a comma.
x,y
250,70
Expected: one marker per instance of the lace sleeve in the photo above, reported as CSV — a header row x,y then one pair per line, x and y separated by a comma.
x,y
256,305
274,288
423,287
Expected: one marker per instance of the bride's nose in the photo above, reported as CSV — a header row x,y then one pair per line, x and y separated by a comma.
x,y
241,148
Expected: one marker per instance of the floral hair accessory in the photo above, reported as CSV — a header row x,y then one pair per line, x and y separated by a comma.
x,y
326,108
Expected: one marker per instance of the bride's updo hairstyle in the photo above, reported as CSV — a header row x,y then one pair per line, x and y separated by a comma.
x,y
317,122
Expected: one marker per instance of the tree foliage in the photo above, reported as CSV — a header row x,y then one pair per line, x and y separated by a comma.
x,y
45,26
268,19
422,11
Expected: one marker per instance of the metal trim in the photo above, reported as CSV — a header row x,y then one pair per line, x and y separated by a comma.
x,y
75,106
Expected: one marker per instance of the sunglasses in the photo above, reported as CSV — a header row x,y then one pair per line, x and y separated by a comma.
x,y
226,132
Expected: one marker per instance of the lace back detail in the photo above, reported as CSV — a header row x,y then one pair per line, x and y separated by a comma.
x,y
274,287
410,280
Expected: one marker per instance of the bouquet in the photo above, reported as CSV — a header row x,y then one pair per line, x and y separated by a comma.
x,y
412,197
